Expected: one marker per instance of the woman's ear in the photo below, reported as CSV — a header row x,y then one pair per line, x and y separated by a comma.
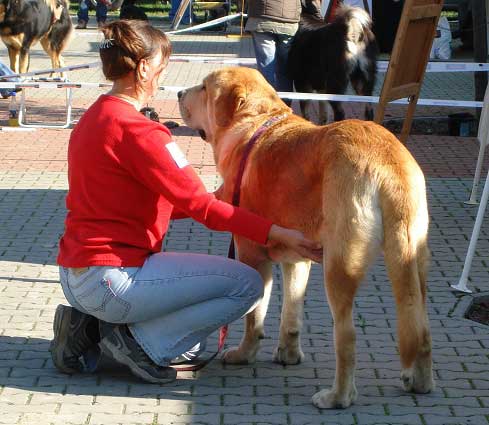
x,y
143,69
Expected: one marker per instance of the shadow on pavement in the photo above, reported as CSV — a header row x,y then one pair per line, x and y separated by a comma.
x,y
31,369
32,223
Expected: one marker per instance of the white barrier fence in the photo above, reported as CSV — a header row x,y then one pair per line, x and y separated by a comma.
x,y
381,65
283,95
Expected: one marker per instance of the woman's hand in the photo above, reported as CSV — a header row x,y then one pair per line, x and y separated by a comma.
x,y
296,241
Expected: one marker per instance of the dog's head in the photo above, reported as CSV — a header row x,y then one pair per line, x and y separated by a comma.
x,y
3,9
10,15
227,98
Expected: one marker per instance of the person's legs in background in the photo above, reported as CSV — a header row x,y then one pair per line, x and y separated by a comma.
x,y
283,82
101,12
82,14
264,44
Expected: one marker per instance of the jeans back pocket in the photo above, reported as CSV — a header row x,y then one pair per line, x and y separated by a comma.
x,y
96,291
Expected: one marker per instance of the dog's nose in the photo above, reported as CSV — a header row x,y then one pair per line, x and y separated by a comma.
x,y
180,94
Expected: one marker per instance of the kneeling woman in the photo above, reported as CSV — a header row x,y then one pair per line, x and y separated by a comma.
x,y
127,180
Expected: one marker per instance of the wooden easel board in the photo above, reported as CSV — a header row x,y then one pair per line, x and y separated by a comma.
x,y
410,55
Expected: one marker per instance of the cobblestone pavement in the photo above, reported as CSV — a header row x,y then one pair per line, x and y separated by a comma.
x,y
32,190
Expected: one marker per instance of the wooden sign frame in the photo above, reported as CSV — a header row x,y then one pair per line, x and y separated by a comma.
x,y
410,55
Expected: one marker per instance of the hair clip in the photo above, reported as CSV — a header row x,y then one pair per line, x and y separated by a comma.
x,y
106,43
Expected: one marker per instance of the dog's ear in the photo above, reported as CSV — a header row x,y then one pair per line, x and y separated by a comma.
x,y
228,103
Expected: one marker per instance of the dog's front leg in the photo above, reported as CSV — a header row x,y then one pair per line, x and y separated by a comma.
x,y
323,112
14,56
254,323
295,278
305,106
24,60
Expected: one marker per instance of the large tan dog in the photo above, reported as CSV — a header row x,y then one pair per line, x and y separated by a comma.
x,y
351,185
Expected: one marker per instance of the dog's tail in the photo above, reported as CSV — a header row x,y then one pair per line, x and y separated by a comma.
x,y
356,20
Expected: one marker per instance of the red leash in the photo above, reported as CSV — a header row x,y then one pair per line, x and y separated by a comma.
x,y
223,332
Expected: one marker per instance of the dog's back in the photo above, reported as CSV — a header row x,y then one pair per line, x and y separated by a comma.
x,y
323,58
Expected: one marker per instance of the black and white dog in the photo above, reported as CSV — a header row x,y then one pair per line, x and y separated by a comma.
x,y
324,57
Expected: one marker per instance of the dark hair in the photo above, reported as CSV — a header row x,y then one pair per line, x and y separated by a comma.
x,y
126,43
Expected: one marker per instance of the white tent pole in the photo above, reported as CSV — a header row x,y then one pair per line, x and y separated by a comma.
x,y
462,284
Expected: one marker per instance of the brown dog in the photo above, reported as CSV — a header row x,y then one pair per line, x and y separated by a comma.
x,y
351,185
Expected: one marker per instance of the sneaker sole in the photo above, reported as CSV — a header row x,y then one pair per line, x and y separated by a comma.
x,y
110,349
61,329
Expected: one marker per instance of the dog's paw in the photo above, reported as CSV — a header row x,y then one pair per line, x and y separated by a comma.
x,y
236,355
417,381
330,399
287,355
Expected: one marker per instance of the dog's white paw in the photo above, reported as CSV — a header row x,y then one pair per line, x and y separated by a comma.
x,y
236,355
288,355
329,399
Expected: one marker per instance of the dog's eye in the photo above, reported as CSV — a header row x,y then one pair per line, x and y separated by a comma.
x,y
203,88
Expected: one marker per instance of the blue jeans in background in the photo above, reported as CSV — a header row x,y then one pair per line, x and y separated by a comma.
x,y
100,11
171,303
5,70
271,51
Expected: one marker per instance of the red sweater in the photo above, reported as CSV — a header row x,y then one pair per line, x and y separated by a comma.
x,y
126,177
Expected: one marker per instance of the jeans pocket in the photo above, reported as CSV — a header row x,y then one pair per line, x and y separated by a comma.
x,y
97,292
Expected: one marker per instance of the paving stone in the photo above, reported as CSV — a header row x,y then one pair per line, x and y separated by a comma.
x,y
367,419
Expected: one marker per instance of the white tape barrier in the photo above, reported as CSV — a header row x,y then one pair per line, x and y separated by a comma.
x,y
53,70
375,99
381,65
284,95
209,24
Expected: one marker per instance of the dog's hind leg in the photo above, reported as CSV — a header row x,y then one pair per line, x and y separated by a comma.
x,y
407,257
56,58
295,278
341,283
254,323
352,241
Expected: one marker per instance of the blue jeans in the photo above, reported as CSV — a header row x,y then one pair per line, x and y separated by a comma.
x,y
171,303
271,51
100,11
